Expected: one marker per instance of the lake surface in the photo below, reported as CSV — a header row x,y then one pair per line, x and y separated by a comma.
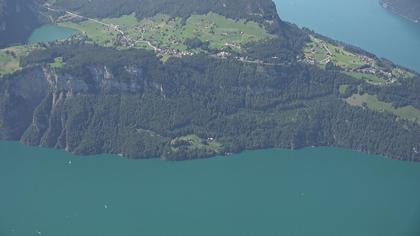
x,y
363,23
49,33
318,192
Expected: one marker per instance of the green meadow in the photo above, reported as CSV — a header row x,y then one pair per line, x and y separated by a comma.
x,y
168,33
10,58
373,103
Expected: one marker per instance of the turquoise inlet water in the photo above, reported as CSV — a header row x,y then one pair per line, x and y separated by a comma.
x,y
48,33
318,192
363,23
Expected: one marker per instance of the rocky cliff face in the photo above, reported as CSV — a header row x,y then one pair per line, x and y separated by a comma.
x,y
43,107
19,98
144,111
407,8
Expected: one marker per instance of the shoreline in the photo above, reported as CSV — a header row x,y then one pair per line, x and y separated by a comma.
x,y
212,156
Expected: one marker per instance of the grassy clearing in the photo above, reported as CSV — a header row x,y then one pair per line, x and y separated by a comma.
x,y
8,63
322,52
193,142
170,34
127,20
343,88
161,31
373,103
98,33
222,32
58,63
367,77
10,58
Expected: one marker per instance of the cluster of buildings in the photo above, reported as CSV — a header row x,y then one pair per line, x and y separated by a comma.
x,y
368,67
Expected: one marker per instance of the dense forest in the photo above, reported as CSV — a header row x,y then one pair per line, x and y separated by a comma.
x,y
129,102
18,18
236,9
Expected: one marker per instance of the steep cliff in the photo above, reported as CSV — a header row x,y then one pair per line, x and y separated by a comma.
x,y
130,103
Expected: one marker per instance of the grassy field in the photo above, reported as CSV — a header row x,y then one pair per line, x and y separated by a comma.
x,y
373,103
322,51
222,32
343,88
58,63
98,33
368,77
170,34
10,58
8,63
195,142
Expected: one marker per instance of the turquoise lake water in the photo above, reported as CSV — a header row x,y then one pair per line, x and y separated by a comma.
x,y
315,191
363,23
48,33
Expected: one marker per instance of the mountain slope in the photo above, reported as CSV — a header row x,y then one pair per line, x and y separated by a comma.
x,y
131,103
164,86
18,18
407,8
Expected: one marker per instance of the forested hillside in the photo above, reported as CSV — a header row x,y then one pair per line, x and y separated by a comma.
x,y
407,8
18,18
184,79
236,9
129,102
